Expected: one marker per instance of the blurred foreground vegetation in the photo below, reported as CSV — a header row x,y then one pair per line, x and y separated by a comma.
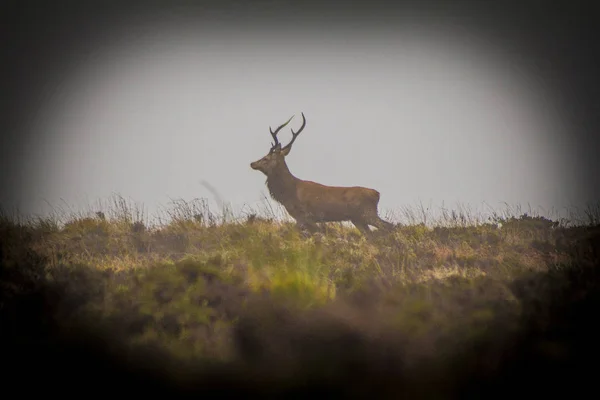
x,y
252,306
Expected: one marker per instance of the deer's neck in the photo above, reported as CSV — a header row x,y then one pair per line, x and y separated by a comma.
x,y
282,185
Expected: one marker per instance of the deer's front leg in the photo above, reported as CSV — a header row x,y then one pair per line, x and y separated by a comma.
x,y
307,226
303,221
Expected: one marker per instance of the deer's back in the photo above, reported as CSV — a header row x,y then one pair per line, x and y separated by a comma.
x,y
315,194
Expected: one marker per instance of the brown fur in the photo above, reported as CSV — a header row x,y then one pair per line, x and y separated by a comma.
x,y
310,202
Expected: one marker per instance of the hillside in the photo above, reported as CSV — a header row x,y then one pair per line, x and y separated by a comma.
x,y
254,307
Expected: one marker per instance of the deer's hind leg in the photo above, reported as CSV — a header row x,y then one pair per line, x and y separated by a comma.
x,y
362,226
381,223
372,218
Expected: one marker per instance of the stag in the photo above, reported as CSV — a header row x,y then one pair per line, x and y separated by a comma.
x,y
309,202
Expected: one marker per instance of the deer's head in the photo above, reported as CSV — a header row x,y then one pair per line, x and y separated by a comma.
x,y
275,159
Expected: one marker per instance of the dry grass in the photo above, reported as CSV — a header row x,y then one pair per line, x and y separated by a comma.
x,y
250,288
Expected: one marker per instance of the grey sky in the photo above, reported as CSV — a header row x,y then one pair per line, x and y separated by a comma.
x,y
420,115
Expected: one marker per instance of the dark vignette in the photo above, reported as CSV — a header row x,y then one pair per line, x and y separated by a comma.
x,y
43,40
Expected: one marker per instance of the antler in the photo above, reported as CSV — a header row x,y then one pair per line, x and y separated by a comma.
x,y
295,134
274,134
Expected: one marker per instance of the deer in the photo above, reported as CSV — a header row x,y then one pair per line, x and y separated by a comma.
x,y
309,202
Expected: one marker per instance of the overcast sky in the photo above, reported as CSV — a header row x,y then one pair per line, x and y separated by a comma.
x,y
426,113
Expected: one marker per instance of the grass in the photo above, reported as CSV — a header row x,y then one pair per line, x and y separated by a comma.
x,y
429,309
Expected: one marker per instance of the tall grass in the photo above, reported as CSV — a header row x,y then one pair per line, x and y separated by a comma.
x,y
118,208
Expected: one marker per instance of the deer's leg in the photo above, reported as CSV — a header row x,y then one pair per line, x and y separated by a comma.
x,y
381,223
313,227
372,218
362,226
307,226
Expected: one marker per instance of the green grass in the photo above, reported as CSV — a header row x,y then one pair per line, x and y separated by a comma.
x,y
206,287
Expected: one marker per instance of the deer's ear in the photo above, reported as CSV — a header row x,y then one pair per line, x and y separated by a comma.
x,y
286,150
